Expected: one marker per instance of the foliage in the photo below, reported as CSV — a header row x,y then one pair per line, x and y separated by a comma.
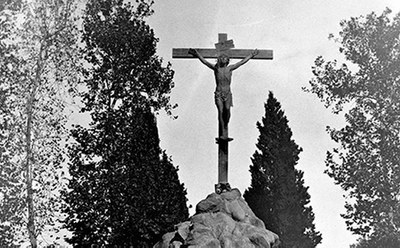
x,y
277,194
10,5
124,191
367,159
378,241
37,68
121,47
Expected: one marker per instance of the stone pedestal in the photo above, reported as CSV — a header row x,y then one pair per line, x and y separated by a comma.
x,y
222,221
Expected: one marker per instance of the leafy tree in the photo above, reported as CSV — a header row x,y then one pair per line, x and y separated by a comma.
x,y
277,194
37,69
366,163
124,190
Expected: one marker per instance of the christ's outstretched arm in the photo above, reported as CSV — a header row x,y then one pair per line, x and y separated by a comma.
x,y
196,54
245,60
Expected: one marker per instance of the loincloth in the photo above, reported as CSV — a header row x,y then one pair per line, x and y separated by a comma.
x,y
224,97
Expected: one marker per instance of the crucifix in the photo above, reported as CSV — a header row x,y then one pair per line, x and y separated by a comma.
x,y
223,97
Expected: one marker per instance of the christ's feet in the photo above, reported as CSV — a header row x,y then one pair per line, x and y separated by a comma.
x,y
223,139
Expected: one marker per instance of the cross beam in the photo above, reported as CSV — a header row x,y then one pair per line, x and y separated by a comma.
x,y
223,46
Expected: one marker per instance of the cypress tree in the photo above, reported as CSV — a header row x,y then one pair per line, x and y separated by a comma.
x,y
277,194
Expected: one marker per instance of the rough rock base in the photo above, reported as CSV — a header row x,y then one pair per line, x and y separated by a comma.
x,y
224,221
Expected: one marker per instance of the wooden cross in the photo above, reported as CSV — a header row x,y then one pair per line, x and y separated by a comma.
x,y
224,46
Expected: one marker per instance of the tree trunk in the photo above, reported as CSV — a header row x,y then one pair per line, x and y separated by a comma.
x,y
29,173
29,158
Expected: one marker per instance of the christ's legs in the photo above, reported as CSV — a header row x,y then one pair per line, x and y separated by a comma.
x,y
222,130
226,113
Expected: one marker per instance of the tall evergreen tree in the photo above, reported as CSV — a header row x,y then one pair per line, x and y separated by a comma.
x,y
124,190
277,194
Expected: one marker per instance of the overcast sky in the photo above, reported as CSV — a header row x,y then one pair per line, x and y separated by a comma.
x,y
297,31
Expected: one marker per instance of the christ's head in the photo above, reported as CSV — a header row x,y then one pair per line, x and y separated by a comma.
x,y
222,60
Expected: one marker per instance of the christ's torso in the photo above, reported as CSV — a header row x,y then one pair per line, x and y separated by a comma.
x,y
223,77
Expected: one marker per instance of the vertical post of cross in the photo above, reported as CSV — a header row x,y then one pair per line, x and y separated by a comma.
x,y
222,166
223,46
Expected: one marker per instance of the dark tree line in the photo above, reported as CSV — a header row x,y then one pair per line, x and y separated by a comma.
x,y
124,190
